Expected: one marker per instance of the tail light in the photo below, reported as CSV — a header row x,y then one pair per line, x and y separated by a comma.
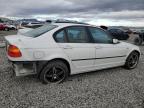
x,y
14,51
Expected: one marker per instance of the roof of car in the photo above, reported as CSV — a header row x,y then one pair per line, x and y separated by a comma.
x,y
72,24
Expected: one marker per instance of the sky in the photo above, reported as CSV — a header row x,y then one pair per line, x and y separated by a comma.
x,y
96,12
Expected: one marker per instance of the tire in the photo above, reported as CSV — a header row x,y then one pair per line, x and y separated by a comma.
x,y
50,72
138,41
13,28
6,29
132,60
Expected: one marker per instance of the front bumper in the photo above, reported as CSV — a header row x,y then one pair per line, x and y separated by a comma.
x,y
24,68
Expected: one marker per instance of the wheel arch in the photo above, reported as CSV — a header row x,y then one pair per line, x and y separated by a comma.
x,y
126,62
42,64
63,60
134,51
137,51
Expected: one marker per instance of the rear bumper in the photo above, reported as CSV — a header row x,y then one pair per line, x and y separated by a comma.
x,y
24,68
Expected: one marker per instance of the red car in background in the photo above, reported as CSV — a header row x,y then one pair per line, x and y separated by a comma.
x,y
3,27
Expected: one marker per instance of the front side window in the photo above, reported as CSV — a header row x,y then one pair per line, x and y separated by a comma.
x,y
100,36
77,35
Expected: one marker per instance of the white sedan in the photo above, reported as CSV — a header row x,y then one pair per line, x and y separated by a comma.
x,y
55,51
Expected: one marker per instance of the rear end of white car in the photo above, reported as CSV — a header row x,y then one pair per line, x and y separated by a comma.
x,y
16,54
24,49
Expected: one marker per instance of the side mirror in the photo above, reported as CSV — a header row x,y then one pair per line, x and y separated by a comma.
x,y
115,41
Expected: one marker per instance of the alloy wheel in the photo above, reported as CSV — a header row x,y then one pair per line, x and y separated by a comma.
x,y
55,74
133,60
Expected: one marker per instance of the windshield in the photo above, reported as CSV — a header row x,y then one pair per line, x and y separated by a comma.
x,y
40,30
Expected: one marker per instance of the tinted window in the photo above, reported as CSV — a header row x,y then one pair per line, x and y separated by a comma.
x,y
119,31
35,23
100,36
112,30
60,37
77,35
115,31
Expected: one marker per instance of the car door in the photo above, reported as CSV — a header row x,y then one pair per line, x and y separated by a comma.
x,y
76,44
108,54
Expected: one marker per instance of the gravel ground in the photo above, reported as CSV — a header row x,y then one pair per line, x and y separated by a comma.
x,y
112,88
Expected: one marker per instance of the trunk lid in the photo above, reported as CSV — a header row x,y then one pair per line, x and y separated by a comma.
x,y
16,39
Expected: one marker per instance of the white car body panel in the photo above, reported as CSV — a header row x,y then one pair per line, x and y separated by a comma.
x,y
44,48
108,51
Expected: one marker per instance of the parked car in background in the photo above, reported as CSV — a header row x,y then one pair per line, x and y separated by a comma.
x,y
55,51
11,27
23,23
23,30
135,31
3,27
118,34
142,31
34,24
140,39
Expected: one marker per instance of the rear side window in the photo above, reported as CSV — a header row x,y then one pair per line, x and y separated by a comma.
x,y
77,35
40,30
60,36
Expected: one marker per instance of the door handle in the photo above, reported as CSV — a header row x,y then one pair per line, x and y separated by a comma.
x,y
67,47
99,47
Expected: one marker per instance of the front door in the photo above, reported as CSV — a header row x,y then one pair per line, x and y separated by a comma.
x,y
107,53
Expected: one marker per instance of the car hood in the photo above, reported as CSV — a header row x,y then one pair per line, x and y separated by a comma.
x,y
130,46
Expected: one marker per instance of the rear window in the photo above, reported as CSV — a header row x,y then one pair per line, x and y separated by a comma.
x,y
40,30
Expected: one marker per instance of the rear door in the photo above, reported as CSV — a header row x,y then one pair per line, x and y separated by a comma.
x,y
77,46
